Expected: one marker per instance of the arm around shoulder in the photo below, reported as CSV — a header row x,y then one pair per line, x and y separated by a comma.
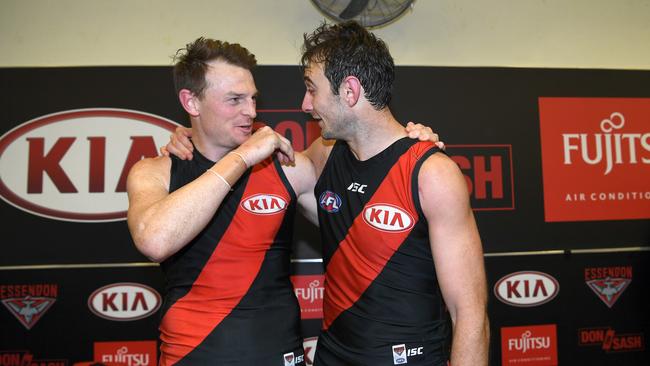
x,y
458,257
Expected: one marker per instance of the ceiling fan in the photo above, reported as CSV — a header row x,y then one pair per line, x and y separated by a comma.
x,y
369,13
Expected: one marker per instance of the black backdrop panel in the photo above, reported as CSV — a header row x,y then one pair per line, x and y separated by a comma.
x,y
489,118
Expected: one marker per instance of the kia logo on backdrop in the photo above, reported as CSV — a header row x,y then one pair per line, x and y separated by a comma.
x,y
526,288
595,158
72,165
124,301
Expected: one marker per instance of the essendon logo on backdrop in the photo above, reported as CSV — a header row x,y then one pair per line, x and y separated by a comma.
x,y
309,291
608,283
595,158
132,353
488,172
28,303
124,301
26,358
73,165
533,345
611,341
527,288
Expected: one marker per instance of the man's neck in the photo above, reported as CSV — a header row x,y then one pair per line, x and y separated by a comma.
x,y
375,132
205,147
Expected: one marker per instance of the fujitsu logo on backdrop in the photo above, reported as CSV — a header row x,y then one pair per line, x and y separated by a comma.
x,y
527,342
533,345
72,165
607,148
595,158
309,290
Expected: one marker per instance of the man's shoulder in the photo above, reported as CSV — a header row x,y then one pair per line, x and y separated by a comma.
x,y
151,167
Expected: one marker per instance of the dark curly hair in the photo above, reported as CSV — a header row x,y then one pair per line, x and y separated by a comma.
x,y
191,62
348,49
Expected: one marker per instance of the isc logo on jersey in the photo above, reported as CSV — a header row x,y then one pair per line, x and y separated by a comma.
x,y
401,353
386,217
72,165
264,204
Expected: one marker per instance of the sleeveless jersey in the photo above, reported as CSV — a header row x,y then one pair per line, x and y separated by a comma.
x,y
229,300
382,303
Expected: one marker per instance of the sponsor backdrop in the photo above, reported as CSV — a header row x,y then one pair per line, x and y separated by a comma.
x,y
557,163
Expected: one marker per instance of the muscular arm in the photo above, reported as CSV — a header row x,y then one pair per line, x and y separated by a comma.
x,y
302,177
458,257
162,223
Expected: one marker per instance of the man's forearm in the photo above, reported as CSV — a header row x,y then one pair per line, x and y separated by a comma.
x,y
470,345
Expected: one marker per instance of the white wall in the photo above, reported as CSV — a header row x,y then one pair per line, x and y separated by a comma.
x,y
520,33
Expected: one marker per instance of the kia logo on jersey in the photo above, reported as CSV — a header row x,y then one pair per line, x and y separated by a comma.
x,y
387,217
124,301
264,204
72,165
526,288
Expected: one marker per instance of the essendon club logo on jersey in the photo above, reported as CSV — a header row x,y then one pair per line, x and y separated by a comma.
x,y
595,158
608,283
489,175
73,165
387,217
610,340
533,345
28,303
264,204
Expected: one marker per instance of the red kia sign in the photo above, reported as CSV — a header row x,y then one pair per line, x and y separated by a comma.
x,y
595,158
72,165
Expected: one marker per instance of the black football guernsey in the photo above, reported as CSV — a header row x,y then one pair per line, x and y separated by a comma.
x,y
229,299
382,303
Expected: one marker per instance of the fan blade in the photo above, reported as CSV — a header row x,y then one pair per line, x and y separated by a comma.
x,y
353,9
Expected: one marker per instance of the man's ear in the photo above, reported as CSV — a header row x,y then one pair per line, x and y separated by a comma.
x,y
351,90
189,101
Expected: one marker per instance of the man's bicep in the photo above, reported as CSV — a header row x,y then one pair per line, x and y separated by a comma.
x,y
146,184
455,242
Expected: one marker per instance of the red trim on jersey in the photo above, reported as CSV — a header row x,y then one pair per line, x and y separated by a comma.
x,y
228,273
365,250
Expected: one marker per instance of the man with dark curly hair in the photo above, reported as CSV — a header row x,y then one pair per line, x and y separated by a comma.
x,y
403,254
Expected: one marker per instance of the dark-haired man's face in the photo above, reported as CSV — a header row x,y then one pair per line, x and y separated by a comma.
x,y
323,104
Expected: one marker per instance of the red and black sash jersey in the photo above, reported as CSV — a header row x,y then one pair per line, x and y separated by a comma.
x,y
229,299
382,303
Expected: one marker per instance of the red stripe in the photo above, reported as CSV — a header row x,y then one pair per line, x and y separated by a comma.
x,y
228,274
364,252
